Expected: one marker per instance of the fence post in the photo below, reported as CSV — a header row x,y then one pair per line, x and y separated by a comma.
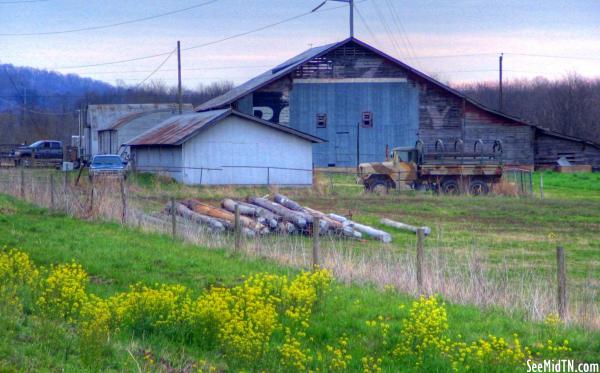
x,y
237,229
173,219
65,182
316,244
123,202
22,182
541,185
562,283
51,191
268,175
92,199
420,245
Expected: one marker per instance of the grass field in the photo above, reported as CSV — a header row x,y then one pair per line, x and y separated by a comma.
x,y
116,257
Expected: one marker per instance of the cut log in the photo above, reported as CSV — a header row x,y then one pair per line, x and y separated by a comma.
x,y
408,227
219,213
295,217
213,223
285,227
370,231
262,215
229,205
285,201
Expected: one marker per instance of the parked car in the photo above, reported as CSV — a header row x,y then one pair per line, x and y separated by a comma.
x,y
107,165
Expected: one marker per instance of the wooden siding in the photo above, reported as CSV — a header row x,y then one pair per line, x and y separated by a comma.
x,y
440,114
549,148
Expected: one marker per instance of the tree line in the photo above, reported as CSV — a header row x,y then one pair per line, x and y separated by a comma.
x,y
570,105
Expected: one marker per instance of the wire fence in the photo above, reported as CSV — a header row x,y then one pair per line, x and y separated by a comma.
x,y
461,277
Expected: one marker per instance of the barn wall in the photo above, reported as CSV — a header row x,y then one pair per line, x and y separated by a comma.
x,y
392,102
241,151
163,159
517,139
549,148
137,126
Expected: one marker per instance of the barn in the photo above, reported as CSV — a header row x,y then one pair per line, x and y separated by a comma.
x,y
363,102
225,147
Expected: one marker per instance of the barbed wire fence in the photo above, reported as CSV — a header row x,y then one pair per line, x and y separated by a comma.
x,y
465,280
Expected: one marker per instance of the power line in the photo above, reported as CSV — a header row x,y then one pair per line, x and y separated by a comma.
x,y
364,21
112,24
403,34
155,70
22,1
205,44
553,56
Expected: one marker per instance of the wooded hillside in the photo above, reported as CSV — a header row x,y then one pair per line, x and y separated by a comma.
x,y
570,105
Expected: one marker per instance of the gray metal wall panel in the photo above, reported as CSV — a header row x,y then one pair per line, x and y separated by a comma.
x,y
395,109
159,159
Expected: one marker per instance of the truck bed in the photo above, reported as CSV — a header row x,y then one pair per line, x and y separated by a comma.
x,y
439,169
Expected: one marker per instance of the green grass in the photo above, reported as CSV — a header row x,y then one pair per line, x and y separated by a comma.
x,y
116,257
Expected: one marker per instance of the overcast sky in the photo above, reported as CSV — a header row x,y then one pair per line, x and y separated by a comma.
x,y
422,33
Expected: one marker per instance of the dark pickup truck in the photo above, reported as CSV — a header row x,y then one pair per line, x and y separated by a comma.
x,y
43,151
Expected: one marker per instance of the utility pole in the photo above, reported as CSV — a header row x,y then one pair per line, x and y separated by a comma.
x,y
79,152
500,96
179,77
351,3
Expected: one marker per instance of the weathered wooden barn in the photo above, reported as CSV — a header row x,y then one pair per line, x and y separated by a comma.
x,y
362,102
225,147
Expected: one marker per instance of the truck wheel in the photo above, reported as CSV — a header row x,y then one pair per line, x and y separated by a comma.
x,y
450,186
478,187
379,186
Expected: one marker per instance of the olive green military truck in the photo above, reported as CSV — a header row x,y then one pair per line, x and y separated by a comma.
x,y
449,172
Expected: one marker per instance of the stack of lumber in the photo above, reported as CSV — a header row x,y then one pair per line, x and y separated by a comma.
x,y
260,215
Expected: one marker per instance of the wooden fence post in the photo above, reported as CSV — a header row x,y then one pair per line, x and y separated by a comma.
x,y
316,227
92,199
124,202
420,253
173,219
65,182
51,191
541,185
237,229
562,283
22,182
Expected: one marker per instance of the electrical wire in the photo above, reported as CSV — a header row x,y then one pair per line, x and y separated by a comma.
x,y
22,1
91,28
403,34
388,31
205,44
363,20
157,68
553,56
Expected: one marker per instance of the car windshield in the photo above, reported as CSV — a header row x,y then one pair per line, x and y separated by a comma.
x,y
36,144
114,160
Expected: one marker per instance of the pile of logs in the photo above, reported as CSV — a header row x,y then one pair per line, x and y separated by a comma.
x,y
260,216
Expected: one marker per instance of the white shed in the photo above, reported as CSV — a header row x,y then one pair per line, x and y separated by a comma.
x,y
225,147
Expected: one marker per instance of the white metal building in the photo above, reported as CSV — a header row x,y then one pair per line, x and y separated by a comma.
x,y
225,147
109,126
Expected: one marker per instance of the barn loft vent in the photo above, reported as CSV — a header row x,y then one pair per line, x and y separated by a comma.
x,y
367,119
321,120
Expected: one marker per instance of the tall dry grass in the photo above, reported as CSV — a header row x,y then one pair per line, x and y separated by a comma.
x,y
460,277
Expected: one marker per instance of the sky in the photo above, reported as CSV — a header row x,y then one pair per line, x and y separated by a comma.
x,y
455,41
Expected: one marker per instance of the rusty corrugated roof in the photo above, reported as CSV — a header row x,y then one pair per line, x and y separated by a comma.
x,y
177,129
133,116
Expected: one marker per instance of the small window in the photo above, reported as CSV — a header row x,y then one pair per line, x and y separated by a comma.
x,y
55,145
321,120
367,119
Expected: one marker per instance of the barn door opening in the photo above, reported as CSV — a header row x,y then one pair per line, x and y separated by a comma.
x,y
344,140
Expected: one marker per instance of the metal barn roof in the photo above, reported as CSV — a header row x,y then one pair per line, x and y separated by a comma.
x,y
265,78
178,129
159,114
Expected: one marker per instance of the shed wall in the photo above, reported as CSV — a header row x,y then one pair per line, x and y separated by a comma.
x,y
242,152
549,148
164,159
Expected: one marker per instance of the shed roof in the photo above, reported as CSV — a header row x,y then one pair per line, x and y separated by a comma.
x,y
178,129
152,115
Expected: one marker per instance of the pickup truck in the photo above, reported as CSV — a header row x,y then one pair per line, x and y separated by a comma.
x,y
43,151
107,165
